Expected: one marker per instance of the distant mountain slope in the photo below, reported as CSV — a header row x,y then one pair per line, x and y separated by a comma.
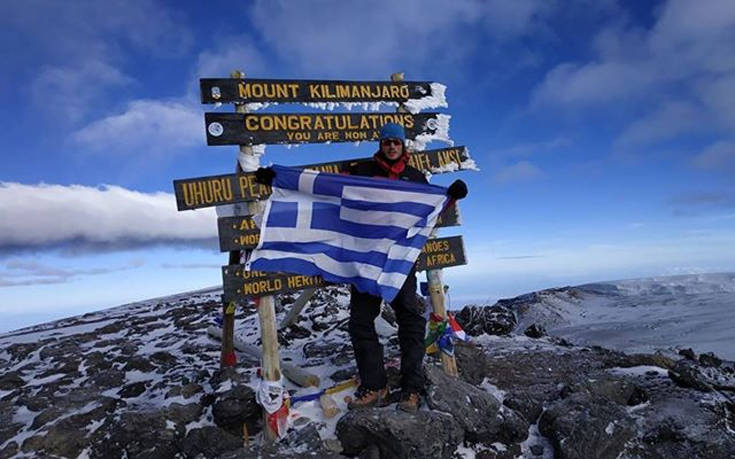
x,y
639,315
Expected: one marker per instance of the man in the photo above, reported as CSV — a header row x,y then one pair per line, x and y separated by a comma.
x,y
391,161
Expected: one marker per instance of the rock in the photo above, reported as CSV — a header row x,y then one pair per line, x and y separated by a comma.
x,y
493,320
236,407
139,363
688,353
389,315
471,362
535,331
136,434
10,450
47,415
343,374
295,332
527,406
209,441
426,434
481,416
709,359
163,358
11,380
183,414
537,450
687,373
607,427
109,379
132,390
187,390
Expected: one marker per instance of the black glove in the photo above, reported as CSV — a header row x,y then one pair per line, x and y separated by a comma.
x,y
265,175
457,190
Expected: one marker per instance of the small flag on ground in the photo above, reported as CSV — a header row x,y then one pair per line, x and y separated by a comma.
x,y
367,232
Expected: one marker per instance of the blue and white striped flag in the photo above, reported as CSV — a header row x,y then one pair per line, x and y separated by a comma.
x,y
348,229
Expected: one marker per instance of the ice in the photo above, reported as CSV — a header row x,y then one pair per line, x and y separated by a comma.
x,y
435,100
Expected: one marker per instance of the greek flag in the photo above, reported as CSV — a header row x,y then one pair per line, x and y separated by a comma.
x,y
363,231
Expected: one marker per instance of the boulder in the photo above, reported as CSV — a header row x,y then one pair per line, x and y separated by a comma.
x,y
482,417
583,426
492,320
208,441
236,407
398,435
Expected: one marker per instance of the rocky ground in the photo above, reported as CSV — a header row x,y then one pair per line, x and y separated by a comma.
x,y
143,380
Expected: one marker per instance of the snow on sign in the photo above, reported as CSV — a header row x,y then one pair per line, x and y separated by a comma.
x,y
294,128
227,90
241,233
238,283
217,190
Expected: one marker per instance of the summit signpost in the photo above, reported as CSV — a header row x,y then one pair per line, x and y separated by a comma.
x,y
239,234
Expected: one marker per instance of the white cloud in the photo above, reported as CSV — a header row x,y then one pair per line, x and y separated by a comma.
x,y
85,45
237,53
384,36
70,89
37,216
23,272
718,156
669,120
146,126
518,172
681,72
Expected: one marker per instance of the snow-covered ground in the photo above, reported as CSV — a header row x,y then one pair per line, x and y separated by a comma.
x,y
642,315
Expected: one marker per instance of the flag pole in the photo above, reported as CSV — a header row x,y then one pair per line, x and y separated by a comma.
x,y
434,279
270,360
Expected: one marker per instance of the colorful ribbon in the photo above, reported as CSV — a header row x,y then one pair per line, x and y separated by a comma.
x,y
442,334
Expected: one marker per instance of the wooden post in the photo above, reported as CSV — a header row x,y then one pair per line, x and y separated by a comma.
x,y
296,308
271,363
434,279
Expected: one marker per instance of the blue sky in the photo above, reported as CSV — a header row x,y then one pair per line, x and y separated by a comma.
x,y
604,131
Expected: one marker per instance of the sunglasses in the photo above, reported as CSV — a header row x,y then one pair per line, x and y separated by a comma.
x,y
388,142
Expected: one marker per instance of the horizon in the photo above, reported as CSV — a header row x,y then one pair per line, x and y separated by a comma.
x,y
603,132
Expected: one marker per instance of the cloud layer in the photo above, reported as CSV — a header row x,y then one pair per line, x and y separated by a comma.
x,y
40,216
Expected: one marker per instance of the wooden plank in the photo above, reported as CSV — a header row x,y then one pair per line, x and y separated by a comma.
x,y
238,283
241,233
442,252
216,190
293,128
227,90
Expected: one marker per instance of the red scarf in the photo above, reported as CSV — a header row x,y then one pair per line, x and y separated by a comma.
x,y
394,170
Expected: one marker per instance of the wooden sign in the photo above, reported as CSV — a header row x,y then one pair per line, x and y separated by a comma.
x,y
227,90
216,190
441,253
241,233
239,283
275,128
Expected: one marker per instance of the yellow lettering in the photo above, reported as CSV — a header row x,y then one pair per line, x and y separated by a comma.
x,y
318,123
293,122
343,91
305,121
294,87
403,91
314,92
243,90
395,92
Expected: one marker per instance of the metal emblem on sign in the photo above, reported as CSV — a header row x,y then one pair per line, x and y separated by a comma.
x,y
215,129
431,123
216,94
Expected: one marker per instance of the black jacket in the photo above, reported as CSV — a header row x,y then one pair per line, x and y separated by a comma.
x,y
372,169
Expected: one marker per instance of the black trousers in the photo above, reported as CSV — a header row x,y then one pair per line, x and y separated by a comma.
x,y
364,308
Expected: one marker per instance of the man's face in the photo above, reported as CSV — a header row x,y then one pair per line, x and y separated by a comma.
x,y
391,148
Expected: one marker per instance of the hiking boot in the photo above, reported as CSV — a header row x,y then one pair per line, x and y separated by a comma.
x,y
368,398
410,402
